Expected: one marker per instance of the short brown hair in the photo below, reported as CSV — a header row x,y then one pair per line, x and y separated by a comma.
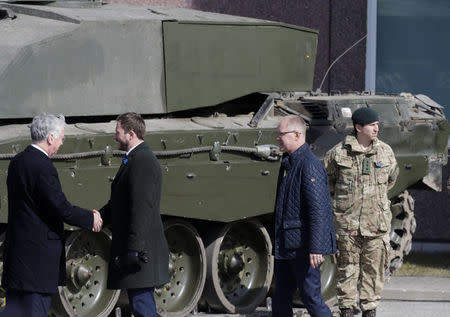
x,y
131,121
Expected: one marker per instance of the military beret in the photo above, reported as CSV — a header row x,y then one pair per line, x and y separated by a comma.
x,y
363,116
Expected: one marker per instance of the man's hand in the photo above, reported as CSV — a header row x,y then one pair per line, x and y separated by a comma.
x,y
315,260
98,221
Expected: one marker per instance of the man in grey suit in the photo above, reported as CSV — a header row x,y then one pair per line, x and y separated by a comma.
x,y
139,251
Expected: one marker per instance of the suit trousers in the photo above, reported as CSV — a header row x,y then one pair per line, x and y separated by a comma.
x,y
26,304
142,302
298,273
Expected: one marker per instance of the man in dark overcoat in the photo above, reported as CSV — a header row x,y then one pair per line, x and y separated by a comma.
x,y
34,261
304,229
139,251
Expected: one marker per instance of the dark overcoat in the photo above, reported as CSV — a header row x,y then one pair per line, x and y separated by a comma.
x,y
303,212
34,258
133,211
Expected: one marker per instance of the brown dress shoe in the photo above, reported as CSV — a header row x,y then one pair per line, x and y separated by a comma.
x,y
370,313
346,312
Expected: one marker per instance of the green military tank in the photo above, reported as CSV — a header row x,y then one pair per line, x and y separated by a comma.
x,y
212,89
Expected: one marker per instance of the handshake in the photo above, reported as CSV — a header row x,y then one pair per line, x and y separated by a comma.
x,y
98,221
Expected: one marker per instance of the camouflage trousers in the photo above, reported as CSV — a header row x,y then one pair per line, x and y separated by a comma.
x,y
362,259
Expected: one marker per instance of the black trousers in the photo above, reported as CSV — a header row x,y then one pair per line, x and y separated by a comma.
x,y
26,304
293,274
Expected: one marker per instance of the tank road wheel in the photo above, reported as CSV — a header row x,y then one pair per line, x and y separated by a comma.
x,y
187,270
328,279
240,267
87,256
403,226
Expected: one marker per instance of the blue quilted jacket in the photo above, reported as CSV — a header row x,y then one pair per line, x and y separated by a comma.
x,y
303,212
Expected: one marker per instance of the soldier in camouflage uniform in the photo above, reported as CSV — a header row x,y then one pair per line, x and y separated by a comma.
x,y
361,170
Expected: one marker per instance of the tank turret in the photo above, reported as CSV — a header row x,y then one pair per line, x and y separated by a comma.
x,y
112,59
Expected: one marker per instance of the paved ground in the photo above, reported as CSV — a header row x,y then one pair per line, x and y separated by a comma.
x,y
413,309
414,296
411,296
417,288
403,296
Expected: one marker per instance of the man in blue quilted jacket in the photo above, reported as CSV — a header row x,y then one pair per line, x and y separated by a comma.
x,y
304,230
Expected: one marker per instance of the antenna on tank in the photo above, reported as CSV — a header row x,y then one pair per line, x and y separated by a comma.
x,y
339,57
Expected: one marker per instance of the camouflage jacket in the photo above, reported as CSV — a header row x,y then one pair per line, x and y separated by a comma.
x,y
359,181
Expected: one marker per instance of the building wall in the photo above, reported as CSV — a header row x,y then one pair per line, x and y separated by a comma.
x,y
348,24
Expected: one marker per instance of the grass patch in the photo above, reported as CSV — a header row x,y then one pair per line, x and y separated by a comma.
x,y
425,264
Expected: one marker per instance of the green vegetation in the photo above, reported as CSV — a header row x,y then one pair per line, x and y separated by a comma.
x,y
425,264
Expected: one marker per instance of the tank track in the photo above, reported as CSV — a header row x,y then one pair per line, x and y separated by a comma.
x,y
403,226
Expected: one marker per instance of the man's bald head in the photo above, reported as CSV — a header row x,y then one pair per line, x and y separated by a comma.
x,y
291,134
295,123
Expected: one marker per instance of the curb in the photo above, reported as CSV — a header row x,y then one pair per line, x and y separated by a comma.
x,y
415,295
417,288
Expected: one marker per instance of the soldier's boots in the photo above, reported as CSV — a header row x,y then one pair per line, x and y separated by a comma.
x,y
346,312
370,313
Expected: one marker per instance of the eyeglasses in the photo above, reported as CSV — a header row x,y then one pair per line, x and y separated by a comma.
x,y
284,133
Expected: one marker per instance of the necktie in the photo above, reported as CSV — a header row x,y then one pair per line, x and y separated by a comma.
x,y
124,159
